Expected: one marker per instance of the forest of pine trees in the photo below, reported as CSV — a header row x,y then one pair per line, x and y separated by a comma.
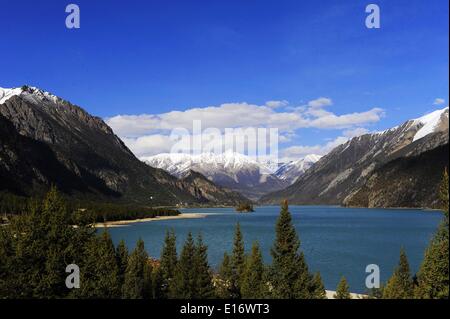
x,y
12,205
36,247
432,279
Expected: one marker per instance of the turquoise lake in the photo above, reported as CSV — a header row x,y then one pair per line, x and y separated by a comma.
x,y
336,241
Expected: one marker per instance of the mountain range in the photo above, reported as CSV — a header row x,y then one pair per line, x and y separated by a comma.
x,y
45,140
399,167
233,170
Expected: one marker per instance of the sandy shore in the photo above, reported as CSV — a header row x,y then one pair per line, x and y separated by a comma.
x,y
121,223
330,295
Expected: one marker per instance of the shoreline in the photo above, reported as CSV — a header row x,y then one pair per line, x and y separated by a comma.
x,y
122,223
341,206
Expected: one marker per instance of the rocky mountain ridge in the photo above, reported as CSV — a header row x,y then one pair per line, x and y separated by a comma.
x,y
46,140
340,177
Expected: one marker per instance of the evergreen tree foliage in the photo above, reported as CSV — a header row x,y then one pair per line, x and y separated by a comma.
x,y
290,276
122,260
204,288
224,281
158,285
238,260
433,275
253,278
400,285
343,290
99,273
36,248
184,282
317,287
135,284
168,261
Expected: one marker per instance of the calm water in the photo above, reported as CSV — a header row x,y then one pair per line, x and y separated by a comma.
x,y
336,241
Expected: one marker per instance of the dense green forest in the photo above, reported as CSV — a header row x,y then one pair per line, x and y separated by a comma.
x,y
36,247
11,205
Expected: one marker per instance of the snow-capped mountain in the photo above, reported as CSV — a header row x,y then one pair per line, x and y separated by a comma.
x,y
29,93
290,171
430,123
46,141
354,173
230,163
233,170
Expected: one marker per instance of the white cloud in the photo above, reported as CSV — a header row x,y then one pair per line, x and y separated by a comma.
x,y
439,101
320,102
149,144
330,120
231,115
299,151
149,134
277,104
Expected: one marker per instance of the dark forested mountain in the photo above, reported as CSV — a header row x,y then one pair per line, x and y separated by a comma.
x,y
45,140
399,167
407,181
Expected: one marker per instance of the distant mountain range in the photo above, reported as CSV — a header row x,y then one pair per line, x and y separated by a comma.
x,y
399,167
291,171
235,171
46,140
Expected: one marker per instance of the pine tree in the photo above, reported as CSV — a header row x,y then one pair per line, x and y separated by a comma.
x,y
252,282
224,282
317,287
400,285
183,284
122,260
237,262
157,284
99,273
135,275
168,262
443,194
204,288
290,276
52,236
36,247
342,291
148,280
433,275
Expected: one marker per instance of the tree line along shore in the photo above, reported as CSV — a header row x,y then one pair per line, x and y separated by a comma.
x,y
36,247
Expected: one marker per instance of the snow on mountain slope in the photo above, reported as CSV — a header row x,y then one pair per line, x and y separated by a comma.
x,y
340,174
6,94
431,122
233,170
29,93
291,171
178,163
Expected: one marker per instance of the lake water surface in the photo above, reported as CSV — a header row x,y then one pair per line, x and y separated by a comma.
x,y
336,241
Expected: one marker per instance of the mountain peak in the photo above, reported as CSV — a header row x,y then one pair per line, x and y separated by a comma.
x,y
434,121
6,94
234,170
29,92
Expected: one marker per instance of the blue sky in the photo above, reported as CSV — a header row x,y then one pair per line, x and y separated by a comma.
x,y
154,57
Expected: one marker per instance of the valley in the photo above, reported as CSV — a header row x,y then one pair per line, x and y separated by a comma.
x,y
83,157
